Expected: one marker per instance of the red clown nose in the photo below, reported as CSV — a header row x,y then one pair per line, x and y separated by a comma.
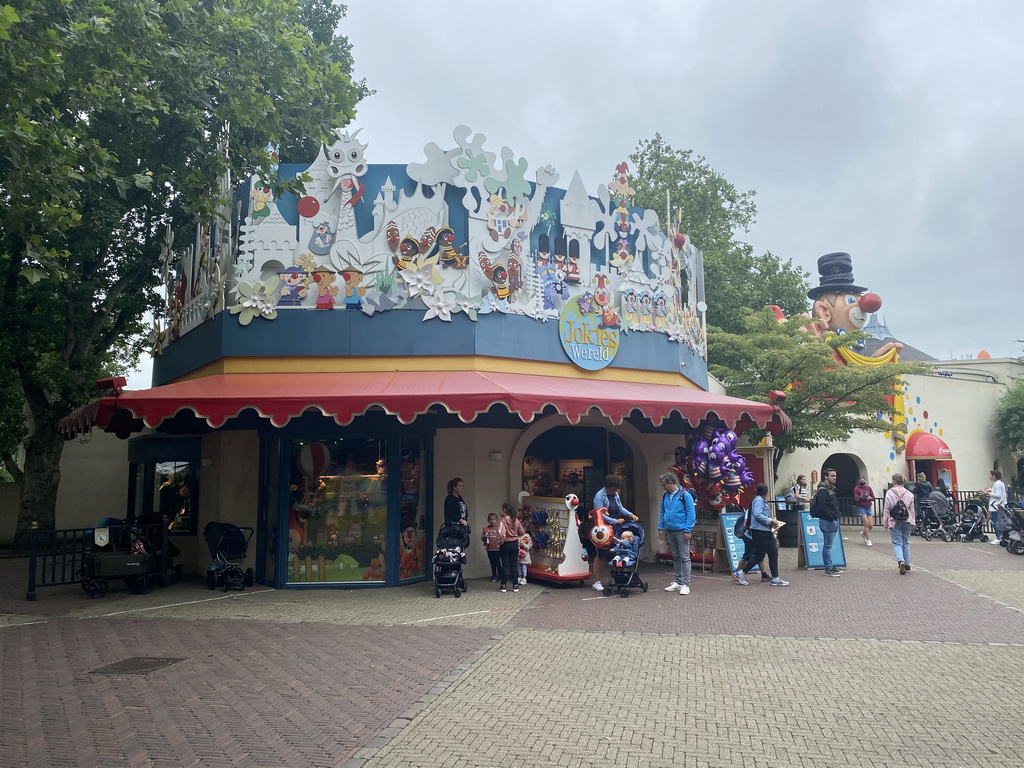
x,y
870,302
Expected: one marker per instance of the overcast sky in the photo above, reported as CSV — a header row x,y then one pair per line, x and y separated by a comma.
x,y
891,130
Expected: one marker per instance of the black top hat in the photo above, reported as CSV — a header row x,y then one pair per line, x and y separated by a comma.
x,y
836,270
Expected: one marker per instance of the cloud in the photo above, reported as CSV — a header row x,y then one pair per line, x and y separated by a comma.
x,y
889,130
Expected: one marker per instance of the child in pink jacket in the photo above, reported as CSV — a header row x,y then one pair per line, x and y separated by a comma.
x,y
491,538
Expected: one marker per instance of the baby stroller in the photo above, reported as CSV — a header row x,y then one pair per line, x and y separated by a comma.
x,y
1011,528
452,540
940,525
972,525
623,572
228,544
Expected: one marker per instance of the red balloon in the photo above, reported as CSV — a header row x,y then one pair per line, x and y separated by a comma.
x,y
308,207
680,240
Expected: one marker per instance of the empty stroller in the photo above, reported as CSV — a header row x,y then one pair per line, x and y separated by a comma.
x,y
452,540
228,544
624,566
937,518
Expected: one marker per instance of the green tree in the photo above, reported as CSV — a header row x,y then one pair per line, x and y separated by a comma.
x,y
713,212
1008,419
826,400
113,124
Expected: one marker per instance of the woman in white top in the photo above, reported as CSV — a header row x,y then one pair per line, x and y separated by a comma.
x,y
996,501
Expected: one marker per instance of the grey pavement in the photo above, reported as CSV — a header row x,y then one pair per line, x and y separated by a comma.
x,y
871,669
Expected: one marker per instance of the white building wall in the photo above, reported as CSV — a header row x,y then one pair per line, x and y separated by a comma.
x,y
958,411
93,480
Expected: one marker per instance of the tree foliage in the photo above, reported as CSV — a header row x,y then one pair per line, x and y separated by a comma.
x,y
112,125
713,212
1008,419
826,400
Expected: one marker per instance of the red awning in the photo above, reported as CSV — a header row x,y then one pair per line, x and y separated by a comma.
x,y
280,397
925,445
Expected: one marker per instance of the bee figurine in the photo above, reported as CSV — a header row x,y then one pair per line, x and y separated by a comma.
x,y
450,255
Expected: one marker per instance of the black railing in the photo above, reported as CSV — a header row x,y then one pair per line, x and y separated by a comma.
x,y
850,515
56,557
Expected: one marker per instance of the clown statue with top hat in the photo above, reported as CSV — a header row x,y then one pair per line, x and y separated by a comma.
x,y
839,306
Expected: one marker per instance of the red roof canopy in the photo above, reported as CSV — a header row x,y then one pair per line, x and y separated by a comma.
x,y
925,445
280,397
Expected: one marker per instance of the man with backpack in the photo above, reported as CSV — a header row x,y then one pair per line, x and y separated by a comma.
x,y
825,507
898,517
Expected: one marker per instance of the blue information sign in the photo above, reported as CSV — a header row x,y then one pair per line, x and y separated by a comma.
x,y
813,543
733,547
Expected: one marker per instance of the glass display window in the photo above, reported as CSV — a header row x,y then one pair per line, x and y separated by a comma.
x,y
163,482
412,510
338,511
175,494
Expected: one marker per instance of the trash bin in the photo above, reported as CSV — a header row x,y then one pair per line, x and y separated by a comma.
x,y
788,532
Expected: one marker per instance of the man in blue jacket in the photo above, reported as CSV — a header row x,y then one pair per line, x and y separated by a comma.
x,y
675,524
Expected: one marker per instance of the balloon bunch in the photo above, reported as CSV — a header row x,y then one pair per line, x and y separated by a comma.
x,y
712,466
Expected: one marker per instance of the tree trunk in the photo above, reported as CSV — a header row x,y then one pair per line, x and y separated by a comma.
x,y
43,449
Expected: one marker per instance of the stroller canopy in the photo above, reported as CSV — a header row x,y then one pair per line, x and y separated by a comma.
x,y
452,535
225,539
636,528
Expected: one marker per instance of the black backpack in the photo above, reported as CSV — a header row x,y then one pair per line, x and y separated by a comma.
x,y
899,511
813,511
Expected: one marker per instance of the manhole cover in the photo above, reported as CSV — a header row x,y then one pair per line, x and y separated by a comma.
x,y
136,665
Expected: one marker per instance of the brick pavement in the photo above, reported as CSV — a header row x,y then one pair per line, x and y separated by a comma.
x,y
552,676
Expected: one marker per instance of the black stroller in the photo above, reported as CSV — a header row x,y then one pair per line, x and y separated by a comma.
x,y
452,540
1011,528
228,544
972,524
936,521
624,572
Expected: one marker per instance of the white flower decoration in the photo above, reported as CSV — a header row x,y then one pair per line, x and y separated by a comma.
x,y
439,305
421,279
256,300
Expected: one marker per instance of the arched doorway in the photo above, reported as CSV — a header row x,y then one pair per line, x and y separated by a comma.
x,y
848,468
576,459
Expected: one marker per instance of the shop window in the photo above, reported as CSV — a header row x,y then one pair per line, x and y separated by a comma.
x,y
176,486
413,511
338,511
164,482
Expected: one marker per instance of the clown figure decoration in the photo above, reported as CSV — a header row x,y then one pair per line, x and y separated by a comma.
x,y
839,306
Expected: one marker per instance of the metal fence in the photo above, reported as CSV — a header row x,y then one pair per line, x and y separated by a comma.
x,y
56,557
848,513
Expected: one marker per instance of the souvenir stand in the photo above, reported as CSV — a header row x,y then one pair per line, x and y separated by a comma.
x,y
558,554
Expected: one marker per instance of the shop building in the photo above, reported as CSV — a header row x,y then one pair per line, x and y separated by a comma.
x,y
332,360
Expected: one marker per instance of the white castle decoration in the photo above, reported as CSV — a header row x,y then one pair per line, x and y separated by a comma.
x,y
459,232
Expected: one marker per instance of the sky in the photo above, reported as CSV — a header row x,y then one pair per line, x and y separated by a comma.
x,y
890,130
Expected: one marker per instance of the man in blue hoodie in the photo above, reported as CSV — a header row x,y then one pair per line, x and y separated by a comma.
x,y
675,524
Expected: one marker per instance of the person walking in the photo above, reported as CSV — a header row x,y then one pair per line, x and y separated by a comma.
x,y
996,501
511,532
615,514
898,516
826,508
762,530
863,499
675,525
